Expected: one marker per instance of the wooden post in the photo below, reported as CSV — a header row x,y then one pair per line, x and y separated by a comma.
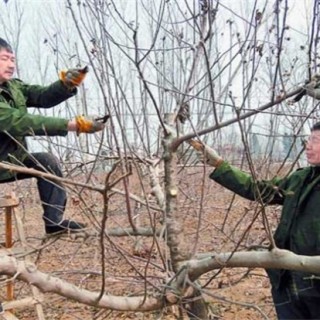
x,y
9,202
8,228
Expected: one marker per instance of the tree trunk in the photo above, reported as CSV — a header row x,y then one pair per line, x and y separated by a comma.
x,y
197,308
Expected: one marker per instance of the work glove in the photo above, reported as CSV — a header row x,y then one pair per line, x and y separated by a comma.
x,y
313,87
73,77
206,154
89,125
310,88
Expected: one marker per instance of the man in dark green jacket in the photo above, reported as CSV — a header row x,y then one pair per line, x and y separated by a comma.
x,y
296,295
16,123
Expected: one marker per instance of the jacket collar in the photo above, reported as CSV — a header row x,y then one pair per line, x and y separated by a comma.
x,y
5,89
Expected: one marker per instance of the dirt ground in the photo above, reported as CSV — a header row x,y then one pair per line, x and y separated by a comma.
x,y
213,220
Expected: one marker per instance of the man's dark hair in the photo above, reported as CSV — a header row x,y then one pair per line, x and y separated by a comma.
x,y
5,45
316,126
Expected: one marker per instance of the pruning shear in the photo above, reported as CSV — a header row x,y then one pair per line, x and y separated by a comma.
x,y
103,119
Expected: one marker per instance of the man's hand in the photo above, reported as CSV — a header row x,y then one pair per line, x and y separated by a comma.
x,y
206,154
310,88
73,77
313,87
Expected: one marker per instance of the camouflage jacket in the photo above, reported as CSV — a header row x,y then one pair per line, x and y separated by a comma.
x,y
16,123
298,193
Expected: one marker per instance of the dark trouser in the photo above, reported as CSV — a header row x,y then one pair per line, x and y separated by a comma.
x,y
53,196
298,298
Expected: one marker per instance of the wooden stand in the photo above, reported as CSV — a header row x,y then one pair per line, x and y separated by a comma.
x,y
9,203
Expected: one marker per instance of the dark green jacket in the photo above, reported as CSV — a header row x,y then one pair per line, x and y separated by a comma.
x,y
299,193
16,123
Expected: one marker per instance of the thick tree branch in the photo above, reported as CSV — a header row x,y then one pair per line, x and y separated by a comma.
x,y
276,258
52,177
175,144
29,273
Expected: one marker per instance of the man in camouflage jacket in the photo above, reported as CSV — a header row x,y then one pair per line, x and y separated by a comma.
x,y
296,295
16,123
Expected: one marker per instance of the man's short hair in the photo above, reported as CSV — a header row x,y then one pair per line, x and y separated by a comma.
x,y
5,45
316,126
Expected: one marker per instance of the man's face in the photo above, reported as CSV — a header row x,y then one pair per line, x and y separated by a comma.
x,y
313,148
7,65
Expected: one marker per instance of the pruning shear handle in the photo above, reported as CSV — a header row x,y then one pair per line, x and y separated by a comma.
x,y
103,119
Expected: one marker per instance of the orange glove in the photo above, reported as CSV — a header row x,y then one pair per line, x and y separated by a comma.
x,y
73,77
87,125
